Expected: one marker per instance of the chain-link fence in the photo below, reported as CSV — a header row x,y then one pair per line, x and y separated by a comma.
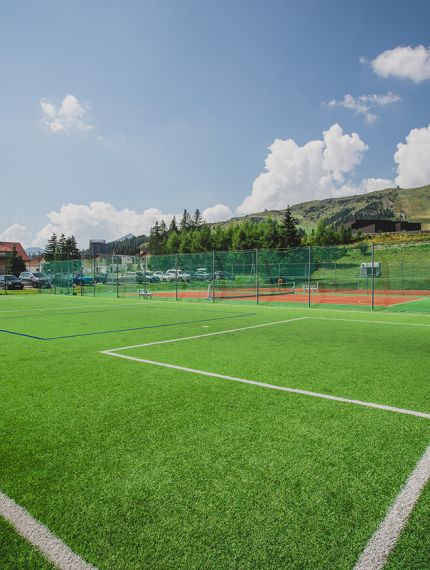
x,y
368,276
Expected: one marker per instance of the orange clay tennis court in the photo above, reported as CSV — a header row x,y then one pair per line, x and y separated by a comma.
x,y
340,297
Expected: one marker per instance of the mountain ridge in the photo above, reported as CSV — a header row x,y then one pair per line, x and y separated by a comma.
x,y
412,204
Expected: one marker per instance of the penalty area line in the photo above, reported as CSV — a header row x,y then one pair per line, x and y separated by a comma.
x,y
168,341
379,547
273,386
54,549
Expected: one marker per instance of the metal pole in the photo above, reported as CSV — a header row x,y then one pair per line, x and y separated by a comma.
x,y
176,277
117,280
94,276
309,276
145,282
256,276
373,278
213,276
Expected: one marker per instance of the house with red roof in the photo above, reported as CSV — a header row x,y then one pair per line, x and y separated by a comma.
x,y
6,248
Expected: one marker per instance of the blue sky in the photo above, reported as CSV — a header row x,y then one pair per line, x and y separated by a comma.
x,y
174,104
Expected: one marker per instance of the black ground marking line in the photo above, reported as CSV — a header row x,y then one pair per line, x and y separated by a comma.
x,y
23,334
146,327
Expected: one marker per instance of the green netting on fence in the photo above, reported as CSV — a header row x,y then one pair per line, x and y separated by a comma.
x,y
366,276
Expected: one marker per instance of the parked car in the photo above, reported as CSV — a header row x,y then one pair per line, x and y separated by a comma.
x,y
147,277
36,279
61,280
179,275
159,274
201,274
223,275
10,282
101,277
82,279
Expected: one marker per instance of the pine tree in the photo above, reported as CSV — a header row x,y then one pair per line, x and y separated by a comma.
x,y
196,220
155,243
185,221
51,248
71,248
62,248
173,227
290,232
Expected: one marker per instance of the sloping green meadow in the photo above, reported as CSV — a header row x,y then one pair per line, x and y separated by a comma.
x,y
133,465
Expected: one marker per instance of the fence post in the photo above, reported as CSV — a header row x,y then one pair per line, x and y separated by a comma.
x,y
256,276
309,275
176,277
373,278
213,276
145,284
94,276
117,280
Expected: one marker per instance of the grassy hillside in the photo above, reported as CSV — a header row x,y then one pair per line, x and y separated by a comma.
x,y
390,203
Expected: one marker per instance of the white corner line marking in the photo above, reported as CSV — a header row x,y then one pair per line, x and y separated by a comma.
x,y
39,536
379,547
273,386
168,341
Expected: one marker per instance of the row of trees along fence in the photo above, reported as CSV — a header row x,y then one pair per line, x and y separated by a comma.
x,y
193,235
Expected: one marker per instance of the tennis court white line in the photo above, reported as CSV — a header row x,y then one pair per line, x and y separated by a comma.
x,y
379,547
54,549
168,341
406,302
273,386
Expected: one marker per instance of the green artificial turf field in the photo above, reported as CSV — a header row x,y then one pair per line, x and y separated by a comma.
x,y
138,465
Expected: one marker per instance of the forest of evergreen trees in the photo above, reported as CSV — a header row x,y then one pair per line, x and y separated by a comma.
x,y
193,235
61,249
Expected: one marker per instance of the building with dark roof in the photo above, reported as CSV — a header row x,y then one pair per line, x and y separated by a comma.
x,y
383,226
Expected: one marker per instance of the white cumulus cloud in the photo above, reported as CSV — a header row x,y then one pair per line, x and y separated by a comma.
x,y
296,173
364,105
101,220
413,159
98,220
15,232
217,213
68,117
405,62
365,186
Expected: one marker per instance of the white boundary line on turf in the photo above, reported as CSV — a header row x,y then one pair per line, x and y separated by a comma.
x,y
385,538
61,308
379,547
54,549
168,341
272,386
114,352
